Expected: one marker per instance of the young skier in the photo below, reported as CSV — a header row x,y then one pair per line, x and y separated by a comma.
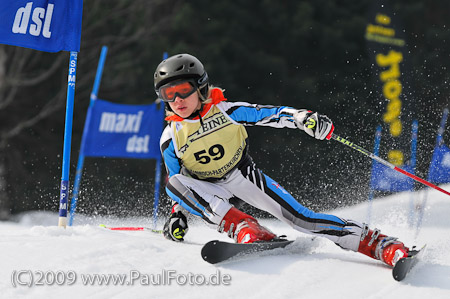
x,y
205,150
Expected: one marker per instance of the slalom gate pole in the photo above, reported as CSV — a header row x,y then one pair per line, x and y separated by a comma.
x,y
132,228
412,196
157,186
386,163
376,149
158,172
64,189
79,171
425,197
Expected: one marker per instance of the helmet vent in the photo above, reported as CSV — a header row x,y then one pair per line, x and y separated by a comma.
x,y
192,64
179,68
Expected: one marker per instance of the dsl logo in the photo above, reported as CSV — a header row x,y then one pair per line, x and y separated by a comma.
x,y
41,20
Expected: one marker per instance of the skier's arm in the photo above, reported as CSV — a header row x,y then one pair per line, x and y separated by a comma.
x,y
167,147
176,225
261,115
314,124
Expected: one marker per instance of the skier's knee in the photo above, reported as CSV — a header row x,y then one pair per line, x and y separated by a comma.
x,y
175,183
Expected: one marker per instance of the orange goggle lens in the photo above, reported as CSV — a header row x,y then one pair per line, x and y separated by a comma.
x,y
168,93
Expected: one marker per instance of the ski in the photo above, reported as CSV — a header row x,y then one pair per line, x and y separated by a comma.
x,y
218,251
404,265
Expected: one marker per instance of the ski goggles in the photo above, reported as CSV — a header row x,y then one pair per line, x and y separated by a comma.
x,y
182,89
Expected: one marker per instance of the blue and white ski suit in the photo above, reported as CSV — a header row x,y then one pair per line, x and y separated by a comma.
x,y
208,165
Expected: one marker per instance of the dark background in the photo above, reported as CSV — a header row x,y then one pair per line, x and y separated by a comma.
x,y
305,54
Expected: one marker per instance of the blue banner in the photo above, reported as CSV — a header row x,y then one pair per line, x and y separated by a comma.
x,y
386,179
440,165
123,131
45,25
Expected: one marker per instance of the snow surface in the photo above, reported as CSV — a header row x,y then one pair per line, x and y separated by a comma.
x,y
307,269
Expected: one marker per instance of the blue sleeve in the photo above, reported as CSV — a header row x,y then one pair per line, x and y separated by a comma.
x,y
260,115
170,159
173,165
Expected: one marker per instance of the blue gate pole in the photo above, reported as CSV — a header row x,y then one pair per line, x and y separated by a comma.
x,y
424,201
158,172
157,187
64,189
376,149
79,172
415,128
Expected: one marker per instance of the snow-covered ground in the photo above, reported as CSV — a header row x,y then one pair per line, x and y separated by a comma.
x,y
60,261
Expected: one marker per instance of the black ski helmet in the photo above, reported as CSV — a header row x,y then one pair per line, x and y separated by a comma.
x,y
182,66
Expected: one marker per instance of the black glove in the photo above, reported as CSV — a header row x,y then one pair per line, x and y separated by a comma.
x,y
318,126
176,226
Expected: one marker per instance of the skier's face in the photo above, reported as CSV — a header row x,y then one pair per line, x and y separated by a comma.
x,y
185,107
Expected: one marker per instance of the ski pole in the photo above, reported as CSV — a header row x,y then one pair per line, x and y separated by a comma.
x,y
385,163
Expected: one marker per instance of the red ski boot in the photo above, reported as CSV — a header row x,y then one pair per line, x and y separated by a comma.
x,y
381,247
244,228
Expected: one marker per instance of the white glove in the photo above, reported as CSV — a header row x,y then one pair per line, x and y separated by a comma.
x,y
315,125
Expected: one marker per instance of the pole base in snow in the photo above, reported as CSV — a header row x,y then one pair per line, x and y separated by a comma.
x,y
62,222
